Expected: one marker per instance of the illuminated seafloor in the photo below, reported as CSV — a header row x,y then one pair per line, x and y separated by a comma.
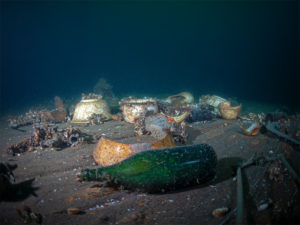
x,y
268,198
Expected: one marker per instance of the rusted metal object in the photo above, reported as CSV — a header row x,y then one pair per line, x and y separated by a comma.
x,y
272,126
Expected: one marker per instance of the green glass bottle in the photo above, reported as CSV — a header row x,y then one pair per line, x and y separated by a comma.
x,y
160,170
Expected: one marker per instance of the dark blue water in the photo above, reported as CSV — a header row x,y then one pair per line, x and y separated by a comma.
x,y
248,50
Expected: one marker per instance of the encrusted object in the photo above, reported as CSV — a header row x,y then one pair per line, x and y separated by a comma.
x,y
212,100
229,112
260,117
89,107
29,118
181,99
133,108
58,115
117,117
46,136
34,116
109,152
252,129
200,112
161,125
276,171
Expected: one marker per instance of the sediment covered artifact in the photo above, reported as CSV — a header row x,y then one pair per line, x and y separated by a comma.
x,y
252,129
229,112
200,112
181,99
212,100
161,170
46,136
161,125
133,108
89,107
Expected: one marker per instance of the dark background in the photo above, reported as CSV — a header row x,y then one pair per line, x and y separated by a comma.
x,y
248,50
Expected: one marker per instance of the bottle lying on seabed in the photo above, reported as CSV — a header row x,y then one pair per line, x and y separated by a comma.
x,y
160,170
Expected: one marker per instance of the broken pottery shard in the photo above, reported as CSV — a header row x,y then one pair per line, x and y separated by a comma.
x,y
252,130
109,152
74,211
229,112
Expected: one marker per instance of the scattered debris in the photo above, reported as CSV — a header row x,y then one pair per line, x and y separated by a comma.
x,y
276,171
46,136
29,118
56,116
165,126
28,216
257,118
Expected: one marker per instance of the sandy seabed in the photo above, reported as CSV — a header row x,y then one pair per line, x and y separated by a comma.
x,y
53,173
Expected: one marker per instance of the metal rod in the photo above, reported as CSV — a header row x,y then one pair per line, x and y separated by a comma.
x,y
240,198
271,126
290,168
228,217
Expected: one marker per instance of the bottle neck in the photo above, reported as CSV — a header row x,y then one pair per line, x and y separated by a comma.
x,y
92,174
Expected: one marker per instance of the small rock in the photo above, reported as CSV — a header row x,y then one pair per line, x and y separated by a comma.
x,y
26,208
134,216
262,207
74,211
220,212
